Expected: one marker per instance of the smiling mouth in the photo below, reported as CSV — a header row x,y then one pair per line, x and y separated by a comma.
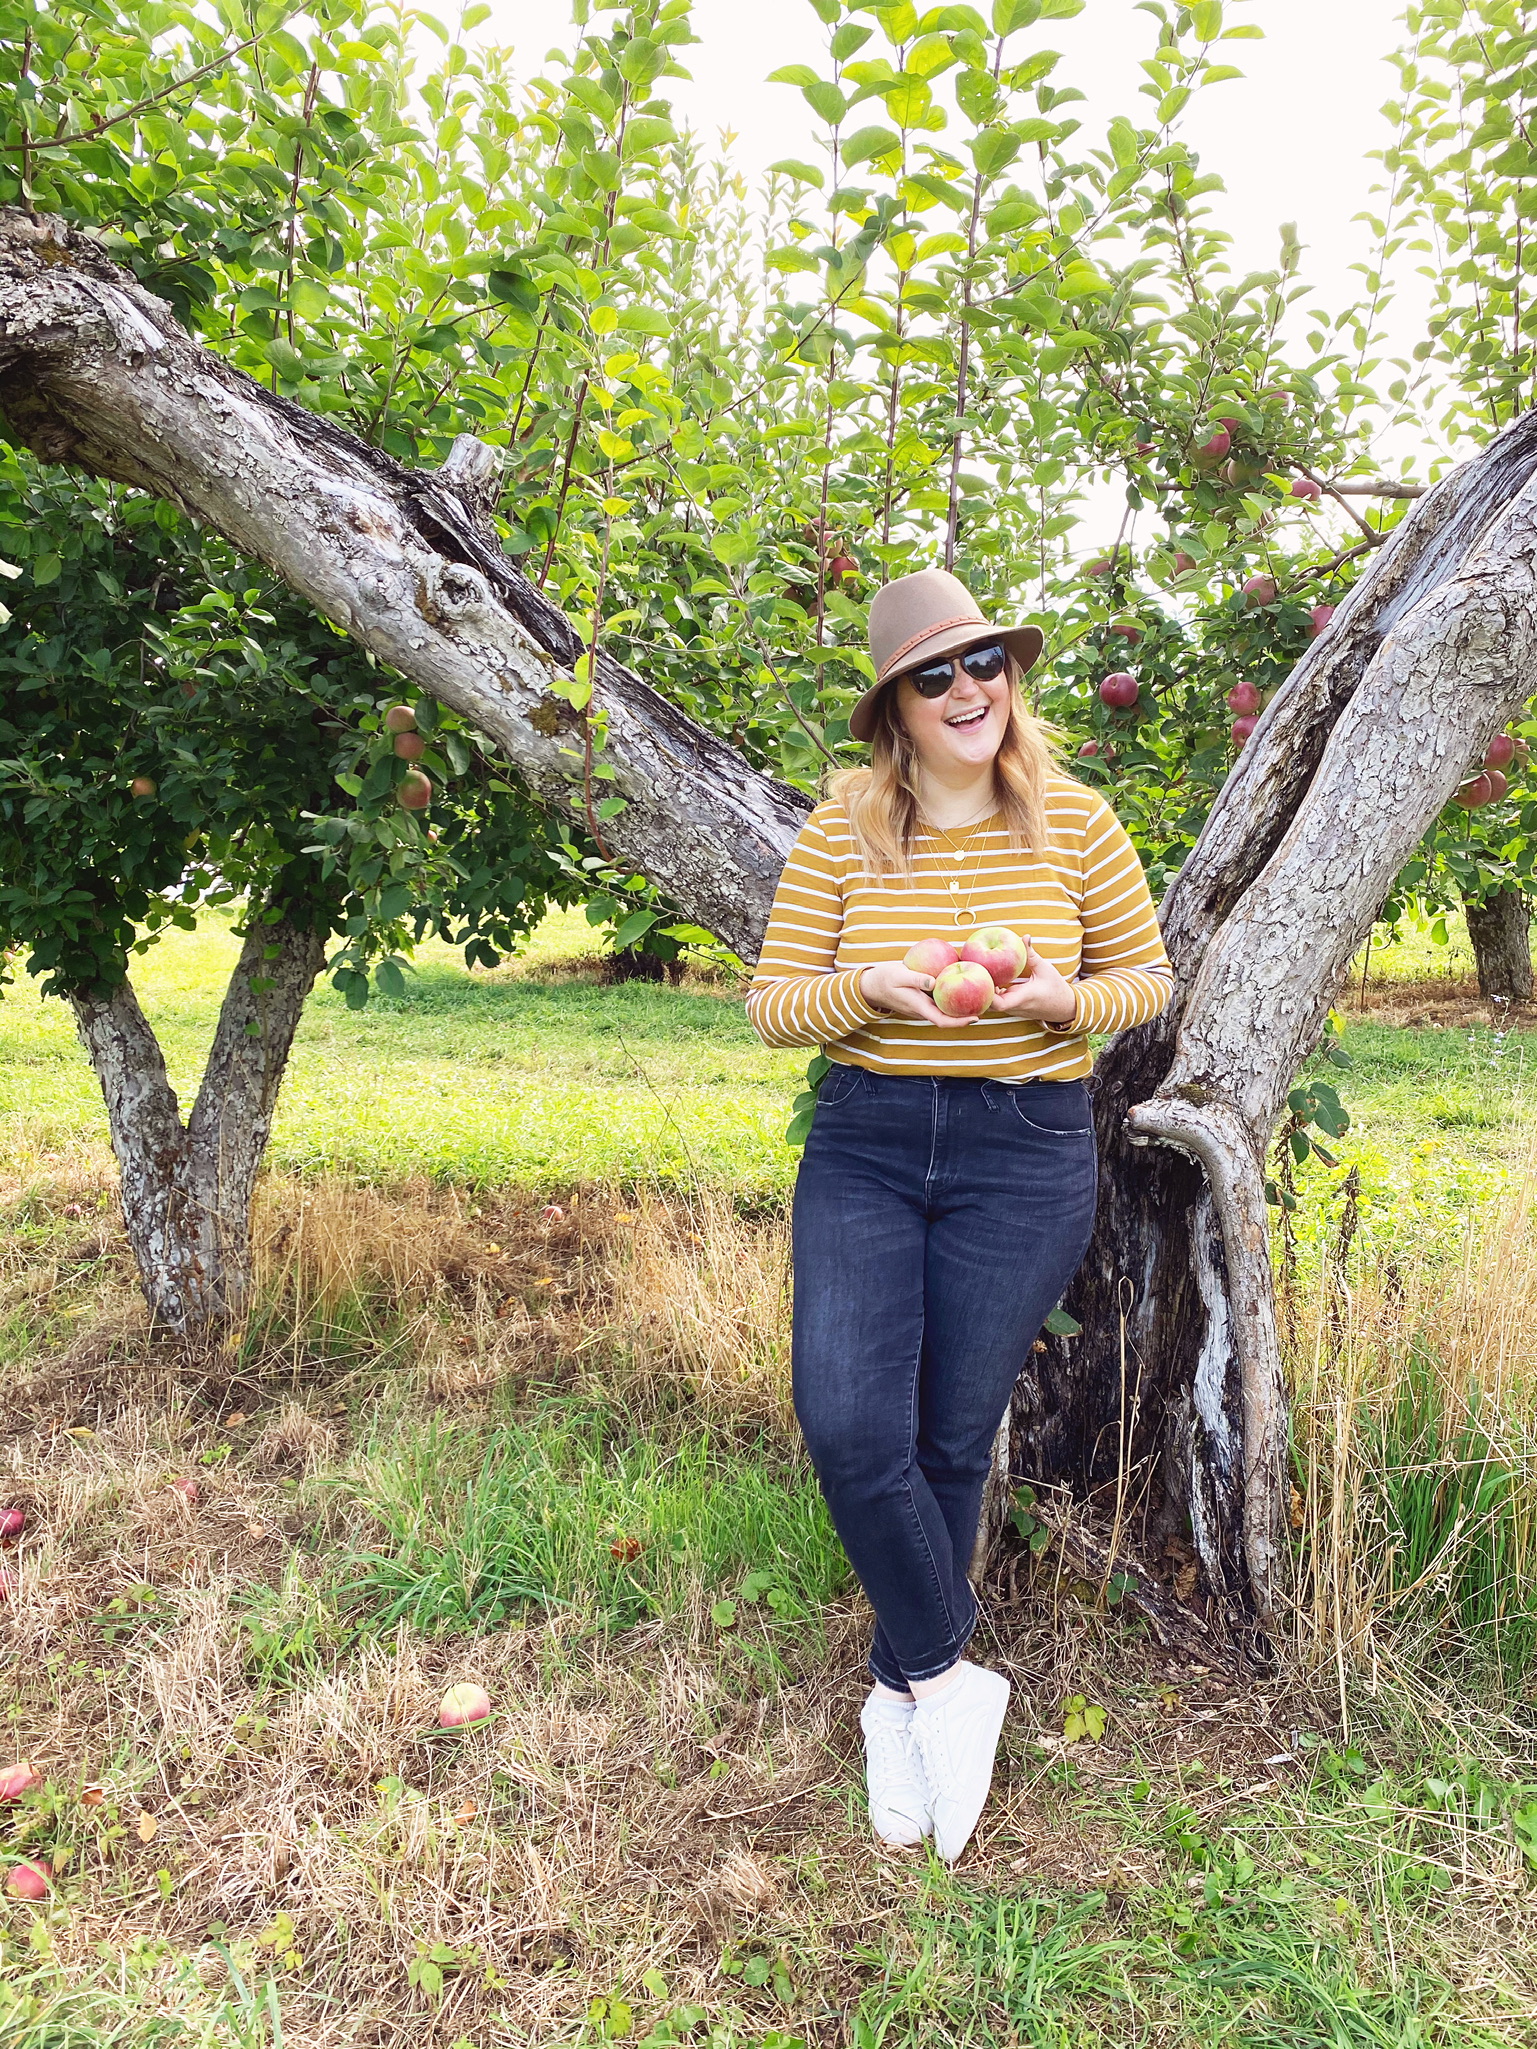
x,y
965,720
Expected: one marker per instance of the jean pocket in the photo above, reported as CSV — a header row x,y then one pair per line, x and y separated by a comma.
x,y
1056,1109
838,1084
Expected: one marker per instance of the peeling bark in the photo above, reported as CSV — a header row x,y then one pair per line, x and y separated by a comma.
x,y
186,1188
1501,931
1423,663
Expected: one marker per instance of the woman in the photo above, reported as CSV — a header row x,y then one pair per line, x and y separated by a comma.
x,y
947,1189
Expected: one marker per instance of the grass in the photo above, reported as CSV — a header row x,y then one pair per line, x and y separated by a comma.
x,y
513,1407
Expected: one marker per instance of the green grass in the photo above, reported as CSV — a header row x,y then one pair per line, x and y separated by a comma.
x,y
480,1527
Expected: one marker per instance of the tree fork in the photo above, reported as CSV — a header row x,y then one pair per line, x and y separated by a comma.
x,y
187,1188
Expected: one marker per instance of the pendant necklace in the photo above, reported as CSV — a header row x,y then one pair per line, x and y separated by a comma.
x,y
964,914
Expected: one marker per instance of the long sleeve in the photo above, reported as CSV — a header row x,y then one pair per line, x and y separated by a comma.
x,y
799,997
1125,977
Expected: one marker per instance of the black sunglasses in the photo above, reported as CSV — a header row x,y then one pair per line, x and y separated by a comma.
x,y
982,664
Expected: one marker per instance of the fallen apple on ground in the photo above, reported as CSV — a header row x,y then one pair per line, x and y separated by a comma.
x,y
12,1522
462,1705
963,990
15,1779
1002,952
30,1881
931,957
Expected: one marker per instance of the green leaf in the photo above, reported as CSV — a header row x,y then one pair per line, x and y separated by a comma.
x,y
805,174
723,1614
1061,1325
1206,19
634,927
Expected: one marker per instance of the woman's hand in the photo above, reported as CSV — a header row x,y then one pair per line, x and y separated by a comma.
x,y
1039,993
890,986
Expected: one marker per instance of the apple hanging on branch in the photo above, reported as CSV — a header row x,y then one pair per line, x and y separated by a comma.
x,y
1119,690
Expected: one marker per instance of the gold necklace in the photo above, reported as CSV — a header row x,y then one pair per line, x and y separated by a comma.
x,y
964,915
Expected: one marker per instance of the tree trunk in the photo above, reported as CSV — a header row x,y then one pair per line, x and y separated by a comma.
x,y
1169,1408
1501,931
187,1188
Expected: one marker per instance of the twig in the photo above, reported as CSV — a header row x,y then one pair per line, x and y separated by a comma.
x,y
96,128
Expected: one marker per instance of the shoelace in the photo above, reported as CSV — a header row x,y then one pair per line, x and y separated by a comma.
x,y
888,1751
935,1753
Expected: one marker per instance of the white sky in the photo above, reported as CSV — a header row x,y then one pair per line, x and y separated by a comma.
x,y
1289,139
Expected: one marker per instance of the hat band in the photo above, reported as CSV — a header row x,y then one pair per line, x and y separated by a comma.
x,y
928,633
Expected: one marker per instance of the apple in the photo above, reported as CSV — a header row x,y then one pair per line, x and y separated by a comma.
x,y
143,786
12,1522
1002,952
1320,616
1230,423
29,1881
1119,690
1479,790
15,1779
462,1705
1241,730
1259,590
1243,699
1241,473
1183,563
1127,631
1501,752
1211,452
188,1489
410,746
400,719
1144,447
1497,784
414,792
1101,567
931,956
1304,487
1088,750
963,990
842,565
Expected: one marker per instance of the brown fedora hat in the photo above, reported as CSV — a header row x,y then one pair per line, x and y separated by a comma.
x,y
921,618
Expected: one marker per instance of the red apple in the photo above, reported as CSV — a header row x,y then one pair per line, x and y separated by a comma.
x,y
1000,951
410,746
1320,616
1306,488
1501,752
1243,699
1183,563
931,956
1210,453
1127,631
414,792
1144,447
1478,790
400,719
29,1881
1259,590
964,990
1241,730
1101,567
143,786
15,1779
462,1705
842,565
1230,423
1497,784
1119,690
12,1522
188,1489
1088,750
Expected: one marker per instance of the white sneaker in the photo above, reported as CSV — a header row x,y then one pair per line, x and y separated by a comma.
x,y
955,1734
899,1808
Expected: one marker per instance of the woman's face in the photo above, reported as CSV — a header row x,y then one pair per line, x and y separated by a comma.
x,y
960,732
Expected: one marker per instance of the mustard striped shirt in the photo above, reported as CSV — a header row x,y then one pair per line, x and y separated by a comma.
x,y
1084,904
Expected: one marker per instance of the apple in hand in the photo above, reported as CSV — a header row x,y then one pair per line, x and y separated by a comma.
x,y
1002,952
931,957
963,990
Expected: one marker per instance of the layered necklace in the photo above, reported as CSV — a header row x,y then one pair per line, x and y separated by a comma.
x,y
964,914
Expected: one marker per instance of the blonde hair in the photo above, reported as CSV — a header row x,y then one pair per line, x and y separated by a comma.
x,y
881,801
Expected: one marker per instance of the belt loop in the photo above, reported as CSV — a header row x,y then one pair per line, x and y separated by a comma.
x,y
988,1095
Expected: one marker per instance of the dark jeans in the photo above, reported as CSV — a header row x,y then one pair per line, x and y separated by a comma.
x,y
937,1222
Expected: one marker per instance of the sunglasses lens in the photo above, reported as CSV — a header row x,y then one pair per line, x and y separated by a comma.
x,y
933,681
983,663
